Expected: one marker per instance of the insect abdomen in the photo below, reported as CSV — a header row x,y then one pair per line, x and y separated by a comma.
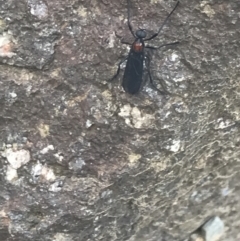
x,y
132,78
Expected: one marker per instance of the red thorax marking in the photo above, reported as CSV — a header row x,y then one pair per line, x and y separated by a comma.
x,y
137,47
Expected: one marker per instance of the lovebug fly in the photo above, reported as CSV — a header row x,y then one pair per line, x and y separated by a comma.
x,y
133,74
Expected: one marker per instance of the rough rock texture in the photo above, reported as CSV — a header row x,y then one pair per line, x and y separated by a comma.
x,y
80,159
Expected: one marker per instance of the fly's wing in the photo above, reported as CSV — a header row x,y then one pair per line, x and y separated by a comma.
x,y
133,75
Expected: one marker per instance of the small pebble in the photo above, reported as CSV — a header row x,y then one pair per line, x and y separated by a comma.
x,y
213,229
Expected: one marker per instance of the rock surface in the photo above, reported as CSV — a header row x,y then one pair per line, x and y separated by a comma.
x,y
96,163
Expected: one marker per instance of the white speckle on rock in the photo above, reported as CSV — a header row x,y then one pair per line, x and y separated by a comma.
x,y
6,45
43,173
133,158
13,95
37,170
135,118
178,79
11,174
43,130
82,11
106,194
3,214
141,119
173,57
62,237
195,237
136,113
17,158
176,144
111,40
46,149
207,9
59,156
38,8
48,174
56,186
89,123
226,191
125,111
222,124
77,164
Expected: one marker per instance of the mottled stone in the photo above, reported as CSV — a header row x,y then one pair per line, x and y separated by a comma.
x,y
106,165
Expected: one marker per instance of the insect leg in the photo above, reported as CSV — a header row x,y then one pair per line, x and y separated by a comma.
x,y
129,24
165,21
118,70
163,45
122,41
164,92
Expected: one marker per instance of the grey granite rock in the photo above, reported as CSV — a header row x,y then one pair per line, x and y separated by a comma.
x,y
100,164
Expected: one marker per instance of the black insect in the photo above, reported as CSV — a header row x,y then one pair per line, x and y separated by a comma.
x,y
133,75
